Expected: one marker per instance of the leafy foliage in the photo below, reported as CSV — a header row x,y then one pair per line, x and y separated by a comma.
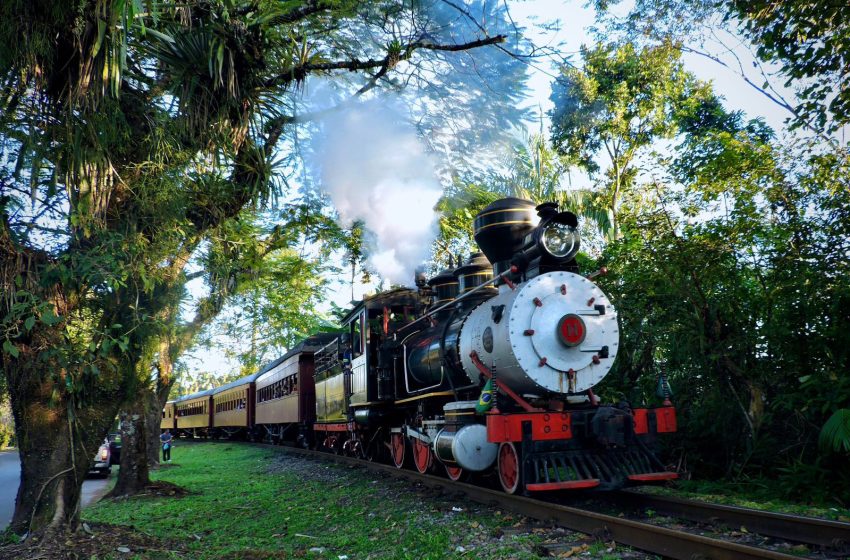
x,y
139,137
835,434
807,40
619,103
811,40
732,287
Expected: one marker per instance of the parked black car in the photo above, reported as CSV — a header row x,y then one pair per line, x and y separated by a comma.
x,y
114,448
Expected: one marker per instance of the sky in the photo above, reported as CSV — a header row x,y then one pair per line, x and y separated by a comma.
x,y
576,20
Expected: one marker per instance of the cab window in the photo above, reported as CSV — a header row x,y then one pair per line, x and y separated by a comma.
x,y
357,336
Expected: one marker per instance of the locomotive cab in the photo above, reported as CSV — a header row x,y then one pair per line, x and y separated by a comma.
x,y
353,373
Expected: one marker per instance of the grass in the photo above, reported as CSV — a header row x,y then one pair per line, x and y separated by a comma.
x,y
246,502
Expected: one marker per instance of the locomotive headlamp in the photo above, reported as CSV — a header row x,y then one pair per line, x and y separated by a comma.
x,y
560,240
554,242
557,237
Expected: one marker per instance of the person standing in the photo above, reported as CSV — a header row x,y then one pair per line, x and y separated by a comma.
x,y
166,438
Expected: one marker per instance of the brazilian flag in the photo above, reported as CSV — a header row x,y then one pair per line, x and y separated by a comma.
x,y
485,401
663,388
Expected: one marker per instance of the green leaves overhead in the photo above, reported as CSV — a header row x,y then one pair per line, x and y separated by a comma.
x,y
811,42
617,105
620,100
265,284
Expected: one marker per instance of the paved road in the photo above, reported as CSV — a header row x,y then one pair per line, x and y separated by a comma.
x,y
10,476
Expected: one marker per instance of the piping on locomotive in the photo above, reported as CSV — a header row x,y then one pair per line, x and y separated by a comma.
x,y
486,368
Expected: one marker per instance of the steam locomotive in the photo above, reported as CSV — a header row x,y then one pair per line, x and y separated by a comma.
x,y
489,367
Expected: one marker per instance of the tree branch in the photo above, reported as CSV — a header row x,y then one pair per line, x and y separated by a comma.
x,y
389,61
194,275
778,100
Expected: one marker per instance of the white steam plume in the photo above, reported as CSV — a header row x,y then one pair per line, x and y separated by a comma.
x,y
375,169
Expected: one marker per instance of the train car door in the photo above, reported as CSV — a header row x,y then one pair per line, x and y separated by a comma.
x,y
359,359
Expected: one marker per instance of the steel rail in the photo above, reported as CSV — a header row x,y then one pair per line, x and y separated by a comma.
x,y
669,543
809,530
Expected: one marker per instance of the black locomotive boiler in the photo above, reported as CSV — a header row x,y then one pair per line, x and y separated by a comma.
x,y
491,367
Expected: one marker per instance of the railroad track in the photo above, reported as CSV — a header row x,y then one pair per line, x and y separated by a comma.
x,y
820,532
668,543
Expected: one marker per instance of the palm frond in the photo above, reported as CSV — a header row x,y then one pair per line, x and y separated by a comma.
x,y
835,434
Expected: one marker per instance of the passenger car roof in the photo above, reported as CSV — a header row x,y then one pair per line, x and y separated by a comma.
x,y
309,344
194,395
241,381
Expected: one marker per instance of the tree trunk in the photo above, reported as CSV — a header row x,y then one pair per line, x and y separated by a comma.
x,y
56,451
153,420
133,476
164,384
140,427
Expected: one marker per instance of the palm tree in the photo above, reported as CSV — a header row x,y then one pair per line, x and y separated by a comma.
x,y
536,172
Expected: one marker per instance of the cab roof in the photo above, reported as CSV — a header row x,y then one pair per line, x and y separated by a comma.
x,y
395,296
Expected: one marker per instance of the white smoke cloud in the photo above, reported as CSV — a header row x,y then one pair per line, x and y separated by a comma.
x,y
375,169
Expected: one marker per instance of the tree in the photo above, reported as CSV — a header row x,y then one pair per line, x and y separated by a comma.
x,y
275,298
135,132
241,258
809,41
533,171
619,103
731,285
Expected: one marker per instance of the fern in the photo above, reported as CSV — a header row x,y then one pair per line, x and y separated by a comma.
x,y
835,434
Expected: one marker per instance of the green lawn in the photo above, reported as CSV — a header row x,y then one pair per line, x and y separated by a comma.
x,y
250,502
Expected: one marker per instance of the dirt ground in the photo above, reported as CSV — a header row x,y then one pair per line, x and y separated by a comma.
x,y
98,541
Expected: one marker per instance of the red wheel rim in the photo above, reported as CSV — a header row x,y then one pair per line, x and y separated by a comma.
x,y
421,456
508,467
454,473
397,444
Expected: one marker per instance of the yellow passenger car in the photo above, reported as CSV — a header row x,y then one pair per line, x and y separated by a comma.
x,y
167,422
194,414
233,408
